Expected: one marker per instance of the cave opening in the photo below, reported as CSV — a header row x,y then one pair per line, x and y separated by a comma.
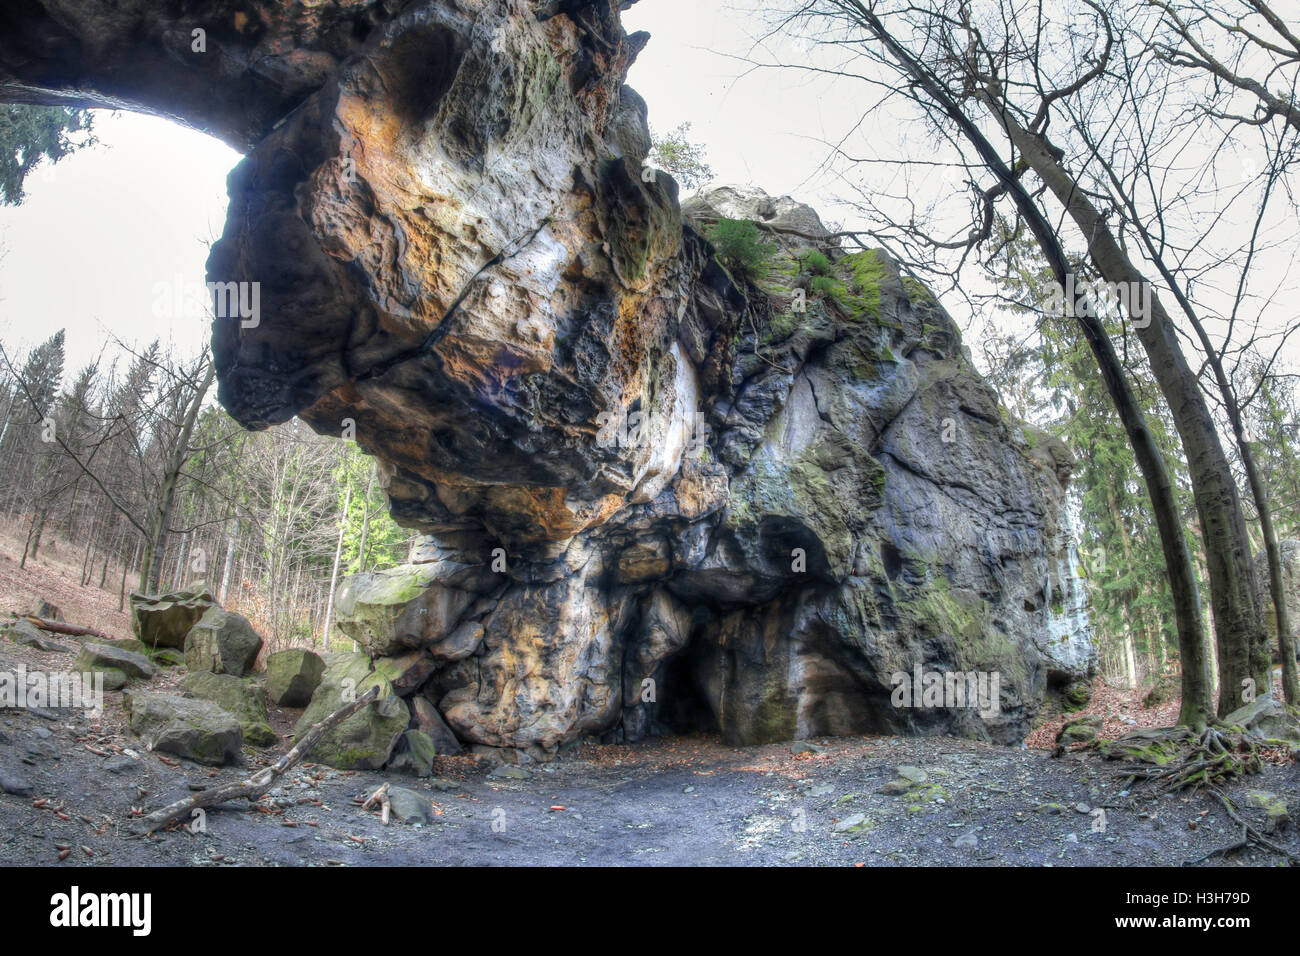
x,y
683,706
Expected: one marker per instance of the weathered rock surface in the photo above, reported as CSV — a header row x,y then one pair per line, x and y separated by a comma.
x,y
656,495
1267,718
94,657
197,730
366,739
165,621
222,642
292,676
782,215
430,723
27,633
415,752
242,698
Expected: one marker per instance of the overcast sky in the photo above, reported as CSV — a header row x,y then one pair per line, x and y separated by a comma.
x,y
102,230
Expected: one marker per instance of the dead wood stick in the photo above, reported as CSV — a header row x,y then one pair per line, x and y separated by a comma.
x,y
380,796
260,782
58,627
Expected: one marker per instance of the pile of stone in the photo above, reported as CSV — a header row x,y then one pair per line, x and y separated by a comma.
x,y
220,705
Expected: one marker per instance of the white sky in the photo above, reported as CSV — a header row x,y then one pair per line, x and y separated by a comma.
x,y
101,230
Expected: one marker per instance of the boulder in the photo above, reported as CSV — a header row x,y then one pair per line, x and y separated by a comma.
x,y
1266,718
1079,731
414,752
29,635
408,806
197,730
240,697
95,657
409,607
168,657
114,679
165,621
292,676
222,642
366,739
430,722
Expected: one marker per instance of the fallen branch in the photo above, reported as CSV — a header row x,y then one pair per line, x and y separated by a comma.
x,y
380,796
58,627
259,783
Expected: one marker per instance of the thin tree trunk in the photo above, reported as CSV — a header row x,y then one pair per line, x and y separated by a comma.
x,y
1194,710
225,572
152,571
334,575
1238,629
365,523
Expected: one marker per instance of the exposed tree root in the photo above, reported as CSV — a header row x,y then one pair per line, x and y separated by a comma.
x,y
1249,835
1167,761
1213,758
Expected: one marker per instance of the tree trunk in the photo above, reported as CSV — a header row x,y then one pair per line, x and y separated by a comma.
x,y
225,572
1238,628
151,573
334,575
1164,504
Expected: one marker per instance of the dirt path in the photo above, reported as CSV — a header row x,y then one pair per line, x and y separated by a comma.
x,y
670,802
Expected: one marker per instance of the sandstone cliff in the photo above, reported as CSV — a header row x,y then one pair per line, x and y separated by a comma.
x,y
656,494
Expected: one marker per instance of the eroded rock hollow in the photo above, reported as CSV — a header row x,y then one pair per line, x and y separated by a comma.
x,y
655,495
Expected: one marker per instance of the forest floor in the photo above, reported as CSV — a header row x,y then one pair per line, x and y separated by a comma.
x,y
72,782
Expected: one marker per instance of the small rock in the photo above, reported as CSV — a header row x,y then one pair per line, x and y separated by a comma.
x,y
14,785
1082,808
1273,806
895,788
508,771
1071,838
966,841
803,747
409,806
821,790
850,823
119,764
913,774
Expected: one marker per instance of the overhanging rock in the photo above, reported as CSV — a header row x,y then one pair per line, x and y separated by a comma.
x,y
656,495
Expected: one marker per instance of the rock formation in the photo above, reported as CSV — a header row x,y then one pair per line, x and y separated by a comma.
x,y
656,494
